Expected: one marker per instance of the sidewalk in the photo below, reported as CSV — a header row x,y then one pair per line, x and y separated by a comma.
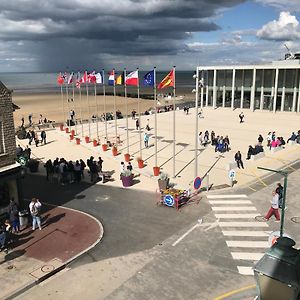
x,y
36,255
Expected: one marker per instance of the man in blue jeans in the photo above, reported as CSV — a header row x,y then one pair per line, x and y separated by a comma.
x,y
34,208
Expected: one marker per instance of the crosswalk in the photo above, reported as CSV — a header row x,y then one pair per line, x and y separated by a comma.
x,y
246,238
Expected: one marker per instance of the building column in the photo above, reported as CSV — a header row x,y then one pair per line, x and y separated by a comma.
x,y
242,89
298,104
283,91
295,91
252,95
202,90
275,90
233,89
215,89
224,90
261,105
206,97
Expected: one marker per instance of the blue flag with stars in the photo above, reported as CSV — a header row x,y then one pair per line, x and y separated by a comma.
x,y
149,79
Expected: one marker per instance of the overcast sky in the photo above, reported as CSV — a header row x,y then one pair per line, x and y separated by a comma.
x,y
54,35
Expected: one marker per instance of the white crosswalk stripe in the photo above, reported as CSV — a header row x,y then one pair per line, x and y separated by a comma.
x,y
237,219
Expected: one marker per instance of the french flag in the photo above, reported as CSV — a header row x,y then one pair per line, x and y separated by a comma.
x,y
111,78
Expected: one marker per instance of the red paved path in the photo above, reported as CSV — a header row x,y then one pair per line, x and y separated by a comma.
x,y
65,233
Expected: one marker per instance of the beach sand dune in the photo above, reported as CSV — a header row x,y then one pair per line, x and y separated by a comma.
x,y
54,108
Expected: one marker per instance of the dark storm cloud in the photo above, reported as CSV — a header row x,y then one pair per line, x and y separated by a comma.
x,y
78,32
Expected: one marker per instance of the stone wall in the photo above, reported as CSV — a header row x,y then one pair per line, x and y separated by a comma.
x,y
6,117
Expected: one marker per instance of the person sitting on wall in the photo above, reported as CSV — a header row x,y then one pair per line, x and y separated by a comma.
x,y
251,151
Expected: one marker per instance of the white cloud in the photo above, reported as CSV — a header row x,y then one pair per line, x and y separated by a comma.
x,y
291,5
284,29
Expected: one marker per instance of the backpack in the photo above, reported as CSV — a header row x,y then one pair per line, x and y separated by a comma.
x,y
34,210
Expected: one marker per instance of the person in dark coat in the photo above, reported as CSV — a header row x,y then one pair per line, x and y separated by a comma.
x,y
238,159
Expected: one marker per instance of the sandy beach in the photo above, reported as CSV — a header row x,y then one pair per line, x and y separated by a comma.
x,y
53,107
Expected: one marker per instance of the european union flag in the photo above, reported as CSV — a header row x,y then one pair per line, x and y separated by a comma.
x,y
149,79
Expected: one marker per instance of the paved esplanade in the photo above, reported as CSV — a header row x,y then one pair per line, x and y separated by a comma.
x,y
222,121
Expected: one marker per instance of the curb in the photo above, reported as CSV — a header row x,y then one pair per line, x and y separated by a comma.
x,y
30,285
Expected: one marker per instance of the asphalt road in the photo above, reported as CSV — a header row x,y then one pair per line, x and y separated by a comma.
x,y
131,219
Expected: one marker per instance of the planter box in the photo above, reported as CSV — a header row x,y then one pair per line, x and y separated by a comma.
x,y
78,141
258,156
114,151
104,147
163,184
156,171
127,180
141,164
127,157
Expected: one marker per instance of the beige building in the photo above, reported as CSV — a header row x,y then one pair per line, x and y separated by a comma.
x,y
273,87
10,178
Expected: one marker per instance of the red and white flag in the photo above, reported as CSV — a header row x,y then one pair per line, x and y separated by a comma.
x,y
132,78
78,80
85,78
70,78
92,77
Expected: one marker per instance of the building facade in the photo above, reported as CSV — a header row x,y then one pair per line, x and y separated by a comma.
x,y
10,175
273,87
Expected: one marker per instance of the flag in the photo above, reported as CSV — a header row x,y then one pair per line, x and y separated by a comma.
x,y
111,78
92,77
149,79
120,79
98,78
167,81
70,78
84,78
78,80
60,79
132,78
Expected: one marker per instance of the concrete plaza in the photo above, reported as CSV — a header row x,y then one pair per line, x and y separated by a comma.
x,y
222,121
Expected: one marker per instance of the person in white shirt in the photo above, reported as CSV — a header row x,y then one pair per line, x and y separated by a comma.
x,y
35,208
274,207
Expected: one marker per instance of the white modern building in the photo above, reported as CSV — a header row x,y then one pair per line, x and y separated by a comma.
x,y
273,87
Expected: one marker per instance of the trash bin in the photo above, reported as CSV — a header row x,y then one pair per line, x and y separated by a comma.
x,y
23,218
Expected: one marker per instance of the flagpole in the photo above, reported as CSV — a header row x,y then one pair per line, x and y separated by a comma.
x,y
105,121
96,111
88,103
80,105
174,117
155,118
62,101
73,91
126,99
115,110
139,112
67,92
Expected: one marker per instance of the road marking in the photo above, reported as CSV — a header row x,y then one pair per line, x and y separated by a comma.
x,y
230,202
235,216
234,292
248,244
233,208
226,196
242,224
188,232
245,270
247,255
246,233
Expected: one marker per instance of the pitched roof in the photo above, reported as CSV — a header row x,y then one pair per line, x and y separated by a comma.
x,y
4,91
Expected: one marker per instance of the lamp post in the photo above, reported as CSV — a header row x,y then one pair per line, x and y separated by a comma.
x,y
285,174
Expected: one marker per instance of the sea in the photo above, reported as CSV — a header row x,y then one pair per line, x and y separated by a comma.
x,y
46,82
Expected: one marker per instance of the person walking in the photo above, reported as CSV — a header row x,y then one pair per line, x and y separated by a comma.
x,y
279,191
146,140
274,207
260,139
137,124
43,137
241,116
35,208
238,159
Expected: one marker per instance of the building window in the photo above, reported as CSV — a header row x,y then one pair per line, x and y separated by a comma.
x,y
2,145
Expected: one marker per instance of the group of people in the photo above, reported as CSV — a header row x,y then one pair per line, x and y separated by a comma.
x,y
273,141
23,152
31,135
69,171
11,225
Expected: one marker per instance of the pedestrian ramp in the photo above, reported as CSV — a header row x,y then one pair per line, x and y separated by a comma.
x,y
246,238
